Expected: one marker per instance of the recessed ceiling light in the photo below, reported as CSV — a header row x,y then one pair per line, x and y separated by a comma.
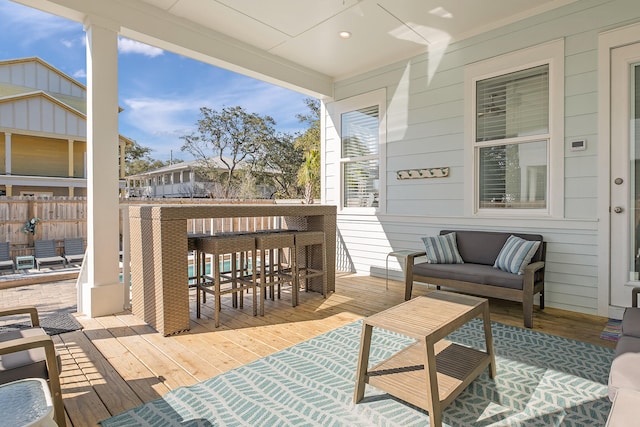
x,y
344,34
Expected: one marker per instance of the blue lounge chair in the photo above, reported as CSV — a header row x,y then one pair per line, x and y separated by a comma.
x,y
46,254
6,262
74,250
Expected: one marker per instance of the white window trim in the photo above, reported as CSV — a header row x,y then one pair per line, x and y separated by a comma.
x,y
551,53
377,97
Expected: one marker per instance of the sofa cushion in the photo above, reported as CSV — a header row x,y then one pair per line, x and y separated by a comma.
x,y
483,247
442,249
475,273
624,371
516,254
631,322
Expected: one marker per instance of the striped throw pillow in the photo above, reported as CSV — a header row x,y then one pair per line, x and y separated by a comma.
x,y
516,254
442,249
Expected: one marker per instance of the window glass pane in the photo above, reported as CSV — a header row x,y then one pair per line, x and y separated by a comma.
x,y
360,149
513,176
513,105
360,132
361,184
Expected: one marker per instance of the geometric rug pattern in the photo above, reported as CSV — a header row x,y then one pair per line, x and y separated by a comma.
x,y
542,380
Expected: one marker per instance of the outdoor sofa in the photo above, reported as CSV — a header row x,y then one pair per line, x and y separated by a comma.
x,y
482,263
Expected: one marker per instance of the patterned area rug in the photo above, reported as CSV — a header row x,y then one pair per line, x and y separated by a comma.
x,y
53,324
542,380
612,330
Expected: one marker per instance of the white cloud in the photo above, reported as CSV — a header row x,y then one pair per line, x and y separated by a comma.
x,y
131,46
263,98
74,43
80,74
161,116
41,25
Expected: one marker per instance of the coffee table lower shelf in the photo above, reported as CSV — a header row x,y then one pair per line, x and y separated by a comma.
x,y
404,373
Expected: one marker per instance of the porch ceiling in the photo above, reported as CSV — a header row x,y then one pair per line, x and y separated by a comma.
x,y
383,31
295,43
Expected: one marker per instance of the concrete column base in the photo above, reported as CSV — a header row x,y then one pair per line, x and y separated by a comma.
x,y
101,300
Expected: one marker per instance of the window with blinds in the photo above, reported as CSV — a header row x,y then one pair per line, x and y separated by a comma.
x,y
511,139
360,157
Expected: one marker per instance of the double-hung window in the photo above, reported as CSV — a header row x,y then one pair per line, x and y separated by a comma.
x,y
512,139
516,150
362,134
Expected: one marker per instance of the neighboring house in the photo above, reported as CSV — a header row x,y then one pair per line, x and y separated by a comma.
x,y
43,131
524,112
182,179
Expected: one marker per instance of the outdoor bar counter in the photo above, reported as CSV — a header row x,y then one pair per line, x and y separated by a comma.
x,y
159,265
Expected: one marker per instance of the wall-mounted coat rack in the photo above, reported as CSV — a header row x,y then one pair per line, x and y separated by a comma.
x,y
423,173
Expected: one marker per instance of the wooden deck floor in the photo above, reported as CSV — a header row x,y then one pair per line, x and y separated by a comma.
x,y
117,362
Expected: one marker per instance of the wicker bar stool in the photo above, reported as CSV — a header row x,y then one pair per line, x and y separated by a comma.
x,y
307,243
198,264
238,279
277,270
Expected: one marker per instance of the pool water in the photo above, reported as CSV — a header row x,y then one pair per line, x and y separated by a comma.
x,y
224,266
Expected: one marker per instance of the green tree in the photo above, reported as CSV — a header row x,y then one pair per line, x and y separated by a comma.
x,y
309,142
229,137
278,164
309,175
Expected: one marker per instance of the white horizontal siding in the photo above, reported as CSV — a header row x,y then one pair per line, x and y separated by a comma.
x,y
425,128
571,271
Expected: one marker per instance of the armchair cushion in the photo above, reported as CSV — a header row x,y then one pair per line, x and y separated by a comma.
x,y
27,363
624,372
442,249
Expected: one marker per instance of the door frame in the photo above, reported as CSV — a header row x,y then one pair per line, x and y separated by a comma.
x,y
607,41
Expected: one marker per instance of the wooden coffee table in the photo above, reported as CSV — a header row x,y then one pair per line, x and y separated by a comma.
x,y
450,367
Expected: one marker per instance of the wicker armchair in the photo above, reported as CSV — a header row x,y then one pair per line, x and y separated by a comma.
x,y
30,353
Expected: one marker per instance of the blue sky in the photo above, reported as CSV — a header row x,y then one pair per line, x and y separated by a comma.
x,y
161,92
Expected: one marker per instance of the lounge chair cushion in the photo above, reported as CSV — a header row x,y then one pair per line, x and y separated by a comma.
x,y
24,364
74,258
50,260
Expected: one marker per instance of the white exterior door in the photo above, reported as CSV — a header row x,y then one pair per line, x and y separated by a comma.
x,y
625,173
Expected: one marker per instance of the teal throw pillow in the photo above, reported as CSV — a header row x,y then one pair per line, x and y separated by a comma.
x,y
442,249
516,254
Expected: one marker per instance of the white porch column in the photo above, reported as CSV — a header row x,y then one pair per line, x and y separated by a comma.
x,y
101,291
7,154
